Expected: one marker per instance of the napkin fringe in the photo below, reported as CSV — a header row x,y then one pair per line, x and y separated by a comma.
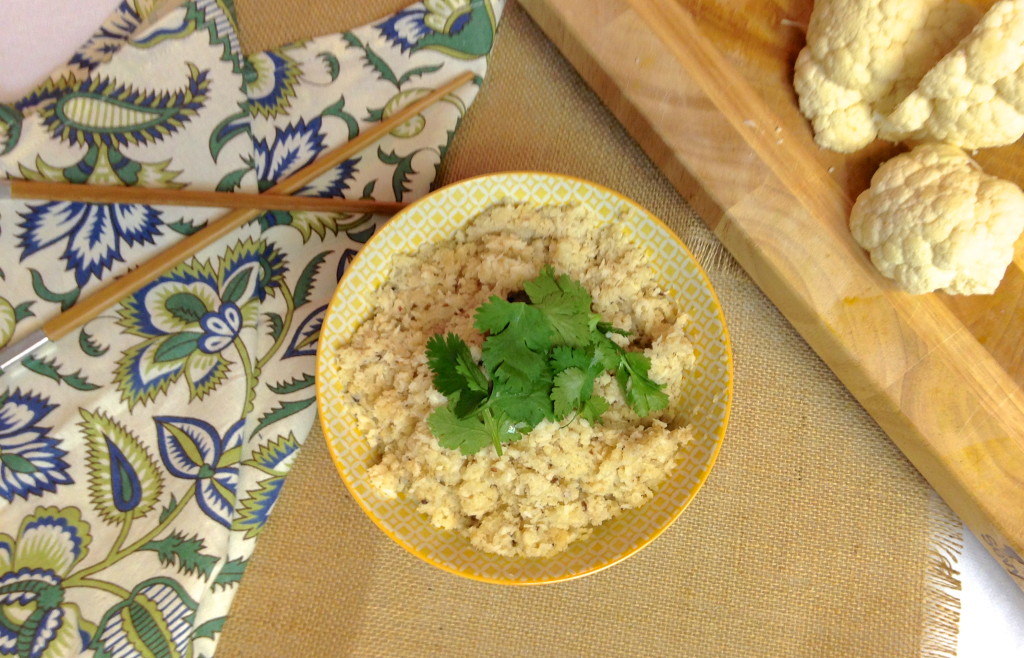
x,y
942,583
712,255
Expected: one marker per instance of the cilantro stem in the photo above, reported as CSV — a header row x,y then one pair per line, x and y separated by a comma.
x,y
492,426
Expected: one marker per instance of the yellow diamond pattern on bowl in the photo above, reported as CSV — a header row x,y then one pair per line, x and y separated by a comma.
x,y
436,217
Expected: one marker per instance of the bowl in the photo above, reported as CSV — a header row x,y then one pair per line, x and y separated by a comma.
x,y
437,216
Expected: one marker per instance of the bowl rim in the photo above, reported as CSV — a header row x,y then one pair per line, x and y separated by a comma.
x,y
700,480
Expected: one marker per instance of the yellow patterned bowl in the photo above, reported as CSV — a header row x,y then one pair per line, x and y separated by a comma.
x,y
436,217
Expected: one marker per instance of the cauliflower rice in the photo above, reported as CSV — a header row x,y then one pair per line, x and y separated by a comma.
x,y
560,481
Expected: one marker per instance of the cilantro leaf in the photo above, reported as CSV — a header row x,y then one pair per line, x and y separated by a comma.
x,y
594,409
497,315
573,387
475,379
506,430
445,355
607,354
511,362
515,352
467,435
456,373
528,406
577,369
471,434
643,394
566,304
564,357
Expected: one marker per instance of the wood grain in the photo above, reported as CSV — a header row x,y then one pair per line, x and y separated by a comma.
x,y
705,87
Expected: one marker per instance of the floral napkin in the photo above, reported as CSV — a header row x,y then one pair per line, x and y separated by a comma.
x,y
140,456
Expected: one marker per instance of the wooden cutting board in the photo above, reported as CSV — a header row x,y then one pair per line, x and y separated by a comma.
x,y
705,86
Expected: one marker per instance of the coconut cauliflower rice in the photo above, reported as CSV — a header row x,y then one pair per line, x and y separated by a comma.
x,y
562,479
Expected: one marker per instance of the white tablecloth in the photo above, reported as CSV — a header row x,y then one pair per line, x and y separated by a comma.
x,y
40,35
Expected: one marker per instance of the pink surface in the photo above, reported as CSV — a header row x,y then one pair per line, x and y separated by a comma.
x,y
40,35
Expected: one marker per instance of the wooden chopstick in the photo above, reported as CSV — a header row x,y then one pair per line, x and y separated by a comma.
x,y
26,190
85,310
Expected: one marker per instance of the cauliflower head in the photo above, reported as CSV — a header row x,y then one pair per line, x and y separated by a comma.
x,y
933,220
863,57
974,96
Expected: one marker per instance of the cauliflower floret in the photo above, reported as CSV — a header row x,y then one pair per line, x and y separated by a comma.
x,y
933,220
974,96
864,56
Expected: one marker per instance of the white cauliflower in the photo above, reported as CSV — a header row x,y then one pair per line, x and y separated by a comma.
x,y
974,96
865,56
933,220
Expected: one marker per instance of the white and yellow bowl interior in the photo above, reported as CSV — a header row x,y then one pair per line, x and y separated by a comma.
x,y
436,217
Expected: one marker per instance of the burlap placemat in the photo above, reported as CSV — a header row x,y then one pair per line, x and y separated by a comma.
x,y
813,536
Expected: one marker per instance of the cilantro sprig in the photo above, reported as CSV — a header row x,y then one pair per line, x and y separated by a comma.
x,y
540,359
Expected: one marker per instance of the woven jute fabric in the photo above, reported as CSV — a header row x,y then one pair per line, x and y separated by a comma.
x,y
813,535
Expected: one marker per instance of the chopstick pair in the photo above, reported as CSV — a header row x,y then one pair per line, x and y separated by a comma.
x,y
67,321
27,190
